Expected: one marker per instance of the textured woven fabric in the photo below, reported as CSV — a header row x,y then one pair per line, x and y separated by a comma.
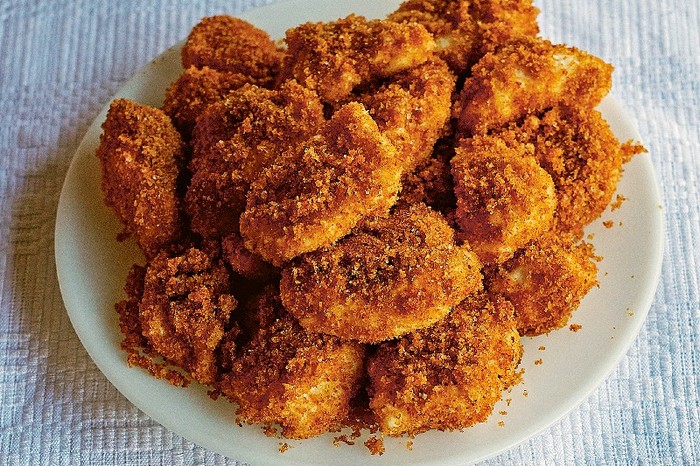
x,y
61,60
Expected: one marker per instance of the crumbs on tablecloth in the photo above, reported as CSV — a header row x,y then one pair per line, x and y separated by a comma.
x,y
608,223
575,327
501,423
283,447
409,445
542,348
538,362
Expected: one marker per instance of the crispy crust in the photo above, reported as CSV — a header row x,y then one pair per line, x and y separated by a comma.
x,y
140,152
579,150
315,195
504,198
195,90
334,58
235,140
456,32
186,304
413,109
546,282
391,277
527,77
431,182
448,376
304,381
231,44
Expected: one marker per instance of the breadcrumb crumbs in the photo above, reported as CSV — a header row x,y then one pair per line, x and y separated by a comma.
x,y
375,445
575,327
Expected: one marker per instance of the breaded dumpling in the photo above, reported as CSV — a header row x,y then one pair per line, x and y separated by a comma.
x,y
314,195
413,109
448,376
456,32
235,140
195,90
527,77
546,282
231,44
391,276
333,58
185,307
301,380
504,198
140,153
583,156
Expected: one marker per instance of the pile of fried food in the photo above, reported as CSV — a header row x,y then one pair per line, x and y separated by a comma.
x,y
358,223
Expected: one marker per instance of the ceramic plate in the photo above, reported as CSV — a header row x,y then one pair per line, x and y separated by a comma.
x,y
92,267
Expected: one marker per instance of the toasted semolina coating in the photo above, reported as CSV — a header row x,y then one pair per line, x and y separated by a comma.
x,y
334,58
431,182
579,150
448,376
235,140
140,155
413,109
231,44
185,307
312,196
246,263
301,380
525,77
195,90
504,198
391,276
546,281
456,32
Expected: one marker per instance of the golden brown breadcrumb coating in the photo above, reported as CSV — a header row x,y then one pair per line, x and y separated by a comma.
x,y
195,90
456,32
546,281
312,196
412,109
579,150
450,375
185,306
431,183
466,29
391,276
302,380
334,58
527,77
504,198
140,153
511,18
234,140
231,44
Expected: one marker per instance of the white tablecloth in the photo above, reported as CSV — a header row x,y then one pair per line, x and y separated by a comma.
x,y
61,60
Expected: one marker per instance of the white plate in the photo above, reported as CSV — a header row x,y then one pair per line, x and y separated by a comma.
x,y
92,267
